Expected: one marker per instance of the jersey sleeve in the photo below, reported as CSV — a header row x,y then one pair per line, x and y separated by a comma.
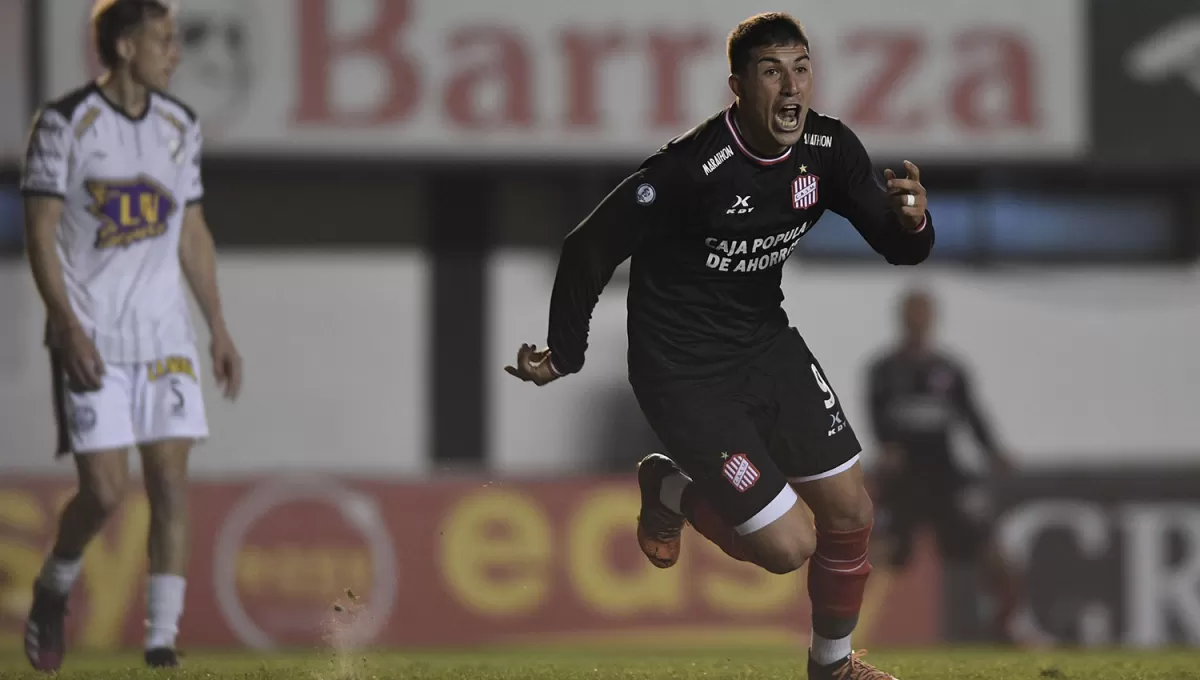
x,y
860,195
649,199
193,183
47,156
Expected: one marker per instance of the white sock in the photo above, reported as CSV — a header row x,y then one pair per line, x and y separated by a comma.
x,y
164,606
826,652
671,492
59,575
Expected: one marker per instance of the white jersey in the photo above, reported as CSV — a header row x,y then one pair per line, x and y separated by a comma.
x,y
125,183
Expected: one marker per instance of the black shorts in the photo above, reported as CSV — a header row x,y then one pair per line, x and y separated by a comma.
x,y
741,439
905,505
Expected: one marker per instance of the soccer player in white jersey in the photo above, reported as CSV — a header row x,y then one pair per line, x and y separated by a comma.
x,y
114,225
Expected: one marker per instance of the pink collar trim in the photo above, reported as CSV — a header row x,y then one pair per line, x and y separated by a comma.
x,y
741,145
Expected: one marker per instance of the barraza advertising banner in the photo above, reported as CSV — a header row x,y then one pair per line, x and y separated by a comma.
x,y
541,78
427,565
1146,81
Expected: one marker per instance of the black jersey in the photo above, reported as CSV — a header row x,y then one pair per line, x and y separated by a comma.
x,y
917,400
709,225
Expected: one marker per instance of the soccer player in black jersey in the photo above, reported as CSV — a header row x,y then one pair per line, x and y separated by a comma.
x,y
747,414
919,395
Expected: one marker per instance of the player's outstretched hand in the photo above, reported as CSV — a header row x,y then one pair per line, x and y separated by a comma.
x,y
227,364
533,365
908,196
81,361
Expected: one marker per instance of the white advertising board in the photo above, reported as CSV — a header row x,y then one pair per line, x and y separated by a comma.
x,y
540,78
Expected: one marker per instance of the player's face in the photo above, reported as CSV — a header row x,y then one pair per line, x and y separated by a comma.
x,y
156,52
776,90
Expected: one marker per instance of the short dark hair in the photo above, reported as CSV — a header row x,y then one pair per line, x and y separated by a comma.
x,y
116,19
769,29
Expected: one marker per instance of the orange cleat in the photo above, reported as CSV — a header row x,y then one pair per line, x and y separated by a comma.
x,y
659,527
849,668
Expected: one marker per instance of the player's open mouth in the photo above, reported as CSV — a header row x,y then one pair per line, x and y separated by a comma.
x,y
788,118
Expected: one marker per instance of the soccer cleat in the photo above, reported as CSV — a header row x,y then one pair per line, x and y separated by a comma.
x,y
45,630
659,527
849,668
162,657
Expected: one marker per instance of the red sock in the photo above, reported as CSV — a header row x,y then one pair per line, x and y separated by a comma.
x,y
711,525
837,572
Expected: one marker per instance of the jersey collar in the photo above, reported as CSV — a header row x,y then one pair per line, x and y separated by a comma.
x,y
745,148
120,111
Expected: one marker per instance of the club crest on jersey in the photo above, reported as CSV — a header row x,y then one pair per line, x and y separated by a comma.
x,y
740,472
130,211
804,192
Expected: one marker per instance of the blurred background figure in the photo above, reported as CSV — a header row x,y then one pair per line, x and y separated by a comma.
x,y
919,395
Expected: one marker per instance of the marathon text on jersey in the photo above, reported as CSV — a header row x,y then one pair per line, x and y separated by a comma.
x,y
718,158
130,211
825,141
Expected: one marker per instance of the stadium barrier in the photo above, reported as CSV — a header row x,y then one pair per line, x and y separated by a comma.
x,y
454,563
300,562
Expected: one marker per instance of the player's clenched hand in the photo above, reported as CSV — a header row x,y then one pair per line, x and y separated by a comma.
x,y
81,361
533,365
227,364
908,196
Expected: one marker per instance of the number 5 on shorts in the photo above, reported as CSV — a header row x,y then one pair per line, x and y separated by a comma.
x,y
177,408
824,387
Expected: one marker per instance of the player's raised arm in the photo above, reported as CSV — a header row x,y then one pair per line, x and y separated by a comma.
x,y
891,213
590,254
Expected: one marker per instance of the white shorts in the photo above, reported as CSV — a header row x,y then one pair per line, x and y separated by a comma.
x,y
137,404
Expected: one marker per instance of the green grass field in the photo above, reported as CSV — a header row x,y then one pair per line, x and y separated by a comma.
x,y
595,665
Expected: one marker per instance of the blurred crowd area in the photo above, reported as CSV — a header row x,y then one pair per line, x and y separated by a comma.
x,y
388,182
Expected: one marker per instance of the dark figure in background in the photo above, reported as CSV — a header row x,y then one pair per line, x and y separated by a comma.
x,y
918,396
